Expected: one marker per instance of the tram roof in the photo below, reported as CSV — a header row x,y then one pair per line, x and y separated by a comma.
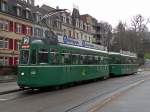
x,y
128,55
117,53
83,48
114,53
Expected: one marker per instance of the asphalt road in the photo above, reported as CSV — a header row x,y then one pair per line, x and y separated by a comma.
x,y
65,100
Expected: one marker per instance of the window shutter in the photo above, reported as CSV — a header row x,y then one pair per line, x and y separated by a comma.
x,y
15,60
23,29
10,43
15,44
10,60
15,27
31,32
11,26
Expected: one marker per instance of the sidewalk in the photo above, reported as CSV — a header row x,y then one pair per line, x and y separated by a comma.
x,y
8,87
8,84
135,100
7,78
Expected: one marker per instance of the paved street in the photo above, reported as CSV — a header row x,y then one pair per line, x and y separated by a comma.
x,y
75,99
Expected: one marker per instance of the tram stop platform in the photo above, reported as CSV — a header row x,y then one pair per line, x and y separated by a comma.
x,y
136,99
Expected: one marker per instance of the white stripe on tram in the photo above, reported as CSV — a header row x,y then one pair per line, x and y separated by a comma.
x,y
62,65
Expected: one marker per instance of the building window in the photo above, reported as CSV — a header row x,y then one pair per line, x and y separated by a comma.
x,y
28,30
81,24
81,36
69,33
85,38
55,23
6,43
4,6
27,14
64,19
70,20
18,28
89,39
1,60
64,31
38,32
77,35
6,61
77,23
4,25
16,61
17,46
18,11
1,43
67,20
37,16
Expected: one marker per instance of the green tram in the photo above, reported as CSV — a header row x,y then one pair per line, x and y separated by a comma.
x,y
121,64
46,63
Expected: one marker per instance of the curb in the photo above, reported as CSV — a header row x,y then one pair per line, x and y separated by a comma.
x,y
8,80
10,91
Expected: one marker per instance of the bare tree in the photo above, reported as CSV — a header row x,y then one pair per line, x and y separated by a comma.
x,y
139,23
106,33
119,36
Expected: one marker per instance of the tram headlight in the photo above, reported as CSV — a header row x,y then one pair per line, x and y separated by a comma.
x,y
22,73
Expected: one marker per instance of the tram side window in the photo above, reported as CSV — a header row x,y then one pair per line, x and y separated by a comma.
x,y
43,56
53,56
81,59
117,61
24,57
101,59
33,56
86,59
62,59
75,58
105,60
96,60
134,61
90,59
65,58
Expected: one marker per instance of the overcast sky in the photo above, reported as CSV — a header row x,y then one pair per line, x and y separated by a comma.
x,y
111,11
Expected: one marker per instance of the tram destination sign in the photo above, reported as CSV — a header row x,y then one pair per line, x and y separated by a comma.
x,y
25,43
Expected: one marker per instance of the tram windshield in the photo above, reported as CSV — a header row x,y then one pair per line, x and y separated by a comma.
x,y
24,57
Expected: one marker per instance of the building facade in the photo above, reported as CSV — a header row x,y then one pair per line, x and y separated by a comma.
x,y
20,18
12,28
81,27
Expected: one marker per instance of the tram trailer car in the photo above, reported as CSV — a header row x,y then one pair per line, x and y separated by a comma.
x,y
43,64
121,64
